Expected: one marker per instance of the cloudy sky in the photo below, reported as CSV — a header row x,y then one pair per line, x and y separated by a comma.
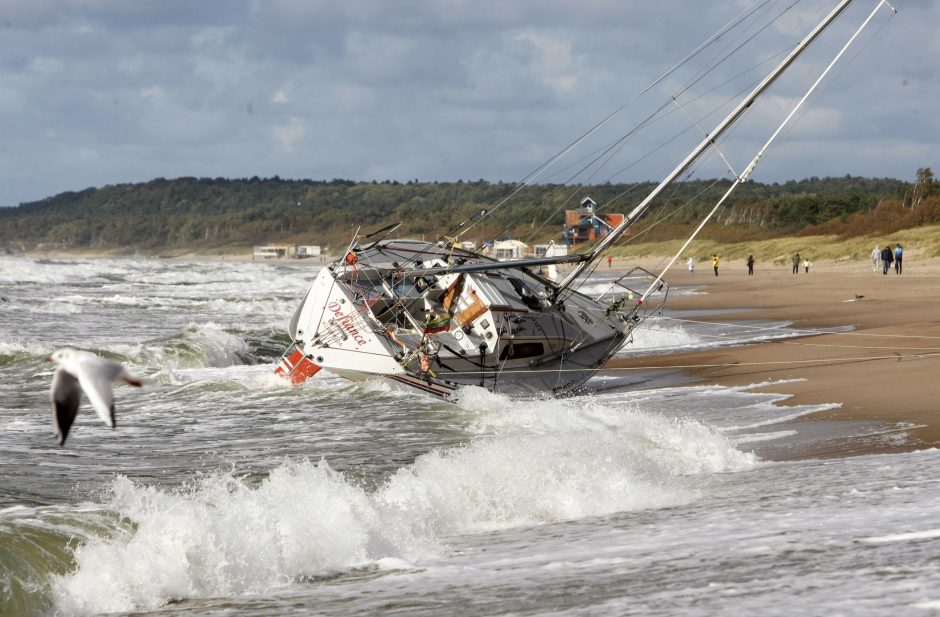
x,y
96,92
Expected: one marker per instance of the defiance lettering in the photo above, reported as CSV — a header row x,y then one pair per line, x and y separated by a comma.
x,y
346,323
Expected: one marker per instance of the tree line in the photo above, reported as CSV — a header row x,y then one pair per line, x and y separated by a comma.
x,y
215,213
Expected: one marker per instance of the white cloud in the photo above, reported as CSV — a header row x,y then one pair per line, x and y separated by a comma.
x,y
213,37
288,135
45,66
88,155
12,100
153,93
553,62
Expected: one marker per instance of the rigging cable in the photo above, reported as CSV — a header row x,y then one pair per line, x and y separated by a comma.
x,y
813,361
530,178
849,63
621,142
760,154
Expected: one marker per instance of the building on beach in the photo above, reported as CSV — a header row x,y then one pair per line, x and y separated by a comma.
x,y
271,251
280,251
306,251
586,225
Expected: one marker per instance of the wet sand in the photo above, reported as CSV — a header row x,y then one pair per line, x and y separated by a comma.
x,y
886,370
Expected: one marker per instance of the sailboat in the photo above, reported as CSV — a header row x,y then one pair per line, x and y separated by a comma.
x,y
435,317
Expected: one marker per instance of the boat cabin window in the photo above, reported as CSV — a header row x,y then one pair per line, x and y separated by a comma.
x,y
521,350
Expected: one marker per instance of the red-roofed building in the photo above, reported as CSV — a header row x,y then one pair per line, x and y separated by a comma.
x,y
585,225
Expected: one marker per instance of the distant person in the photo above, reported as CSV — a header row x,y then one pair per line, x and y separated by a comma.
x,y
715,264
691,265
610,260
887,256
875,258
750,265
806,264
796,263
898,256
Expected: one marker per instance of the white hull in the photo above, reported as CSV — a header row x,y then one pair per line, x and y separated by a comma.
x,y
500,329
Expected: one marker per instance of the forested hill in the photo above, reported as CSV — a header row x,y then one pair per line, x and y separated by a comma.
x,y
208,214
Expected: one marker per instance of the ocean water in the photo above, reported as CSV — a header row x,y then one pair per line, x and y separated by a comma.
x,y
224,491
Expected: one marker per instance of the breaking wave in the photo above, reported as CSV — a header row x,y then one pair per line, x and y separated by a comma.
x,y
196,346
530,463
17,351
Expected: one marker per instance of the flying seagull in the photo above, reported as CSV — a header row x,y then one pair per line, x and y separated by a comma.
x,y
82,370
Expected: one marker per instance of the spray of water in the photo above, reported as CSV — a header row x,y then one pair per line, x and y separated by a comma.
x,y
530,463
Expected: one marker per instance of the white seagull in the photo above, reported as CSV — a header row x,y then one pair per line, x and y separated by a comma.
x,y
82,370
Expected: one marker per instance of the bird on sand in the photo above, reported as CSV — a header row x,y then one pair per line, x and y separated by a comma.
x,y
78,371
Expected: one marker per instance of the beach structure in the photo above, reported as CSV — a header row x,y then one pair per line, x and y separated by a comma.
x,y
585,224
548,250
303,251
271,251
280,251
507,249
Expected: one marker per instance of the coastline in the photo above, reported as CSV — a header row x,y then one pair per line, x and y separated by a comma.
x,y
238,256
884,370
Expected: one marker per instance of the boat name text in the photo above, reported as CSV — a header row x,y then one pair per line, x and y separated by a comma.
x,y
346,323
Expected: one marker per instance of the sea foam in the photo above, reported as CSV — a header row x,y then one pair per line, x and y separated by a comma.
x,y
196,346
224,536
659,335
529,463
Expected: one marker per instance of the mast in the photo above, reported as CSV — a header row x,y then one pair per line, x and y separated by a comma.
x,y
760,153
709,140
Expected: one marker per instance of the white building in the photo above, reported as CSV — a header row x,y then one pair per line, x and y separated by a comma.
x,y
508,249
279,251
305,251
271,251
549,250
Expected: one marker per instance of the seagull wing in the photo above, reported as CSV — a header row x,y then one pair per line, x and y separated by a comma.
x,y
96,376
65,395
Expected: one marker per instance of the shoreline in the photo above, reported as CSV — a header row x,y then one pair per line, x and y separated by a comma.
x,y
185,257
886,370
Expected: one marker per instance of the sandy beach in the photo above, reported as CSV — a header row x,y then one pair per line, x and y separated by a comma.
x,y
885,370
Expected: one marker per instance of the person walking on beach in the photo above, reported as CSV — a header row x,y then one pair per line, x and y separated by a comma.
x,y
691,265
610,260
806,264
898,256
886,258
715,264
875,258
796,263
750,265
